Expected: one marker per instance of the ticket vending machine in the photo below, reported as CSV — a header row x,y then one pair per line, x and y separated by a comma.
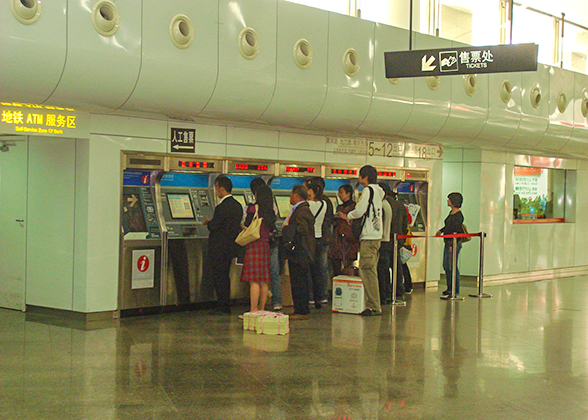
x,y
289,175
413,192
185,200
141,236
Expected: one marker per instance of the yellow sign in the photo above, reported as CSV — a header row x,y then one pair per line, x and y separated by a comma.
x,y
16,117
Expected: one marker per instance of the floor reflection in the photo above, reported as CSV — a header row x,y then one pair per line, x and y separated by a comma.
x,y
522,354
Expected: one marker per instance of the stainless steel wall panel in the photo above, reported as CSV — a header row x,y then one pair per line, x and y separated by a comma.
x,y
431,107
348,96
516,248
563,256
300,91
504,111
492,202
578,143
101,71
560,108
176,81
32,56
392,100
541,243
534,116
244,86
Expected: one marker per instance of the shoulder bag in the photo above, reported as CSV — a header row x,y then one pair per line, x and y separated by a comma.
x,y
252,232
357,224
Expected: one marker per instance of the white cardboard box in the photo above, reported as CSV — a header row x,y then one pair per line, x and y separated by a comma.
x,y
348,295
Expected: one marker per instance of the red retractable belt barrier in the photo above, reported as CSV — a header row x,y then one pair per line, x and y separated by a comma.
x,y
454,235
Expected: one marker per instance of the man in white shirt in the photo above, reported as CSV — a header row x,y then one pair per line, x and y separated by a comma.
x,y
369,204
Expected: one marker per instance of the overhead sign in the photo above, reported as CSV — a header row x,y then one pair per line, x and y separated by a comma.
x,y
465,60
183,140
46,120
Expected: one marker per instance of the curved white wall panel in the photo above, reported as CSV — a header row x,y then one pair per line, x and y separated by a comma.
x,y
469,109
32,56
101,71
431,106
177,80
247,77
392,99
560,109
301,85
578,142
504,110
534,109
348,95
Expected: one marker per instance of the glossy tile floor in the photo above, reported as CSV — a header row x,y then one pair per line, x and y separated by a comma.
x,y
521,355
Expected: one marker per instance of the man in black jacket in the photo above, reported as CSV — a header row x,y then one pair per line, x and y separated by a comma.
x,y
299,243
224,228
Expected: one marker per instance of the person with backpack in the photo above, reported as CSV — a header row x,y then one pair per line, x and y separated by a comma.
x,y
318,271
370,206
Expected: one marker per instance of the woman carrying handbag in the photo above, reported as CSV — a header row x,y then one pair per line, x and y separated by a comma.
x,y
256,266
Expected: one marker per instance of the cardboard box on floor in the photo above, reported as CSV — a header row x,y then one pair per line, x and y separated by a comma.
x,y
348,295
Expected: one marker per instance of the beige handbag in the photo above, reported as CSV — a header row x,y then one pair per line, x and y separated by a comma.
x,y
252,232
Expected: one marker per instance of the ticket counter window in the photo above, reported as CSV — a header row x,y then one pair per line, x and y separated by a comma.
x,y
539,195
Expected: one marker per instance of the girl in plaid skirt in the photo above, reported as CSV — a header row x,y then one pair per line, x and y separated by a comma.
x,y
256,267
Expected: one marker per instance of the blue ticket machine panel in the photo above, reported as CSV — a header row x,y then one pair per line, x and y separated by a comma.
x,y
186,202
139,212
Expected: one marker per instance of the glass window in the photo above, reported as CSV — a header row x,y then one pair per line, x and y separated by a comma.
x,y
575,47
533,27
539,195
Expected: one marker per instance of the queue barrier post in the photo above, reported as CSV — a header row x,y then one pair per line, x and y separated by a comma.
x,y
453,296
481,294
396,302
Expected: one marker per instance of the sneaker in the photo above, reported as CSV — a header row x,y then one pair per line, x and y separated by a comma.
x,y
325,301
408,291
277,308
311,302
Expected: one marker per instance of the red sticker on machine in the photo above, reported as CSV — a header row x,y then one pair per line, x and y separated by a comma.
x,y
143,263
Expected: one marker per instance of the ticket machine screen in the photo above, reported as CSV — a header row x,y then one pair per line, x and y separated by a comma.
x,y
180,206
240,199
283,205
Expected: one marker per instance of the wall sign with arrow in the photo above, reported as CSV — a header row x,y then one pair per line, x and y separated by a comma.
x,y
183,140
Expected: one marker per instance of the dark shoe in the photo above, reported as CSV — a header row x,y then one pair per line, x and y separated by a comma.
x,y
294,317
370,312
446,292
408,291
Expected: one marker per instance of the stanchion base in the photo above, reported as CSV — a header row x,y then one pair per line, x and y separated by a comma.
x,y
456,297
482,295
398,303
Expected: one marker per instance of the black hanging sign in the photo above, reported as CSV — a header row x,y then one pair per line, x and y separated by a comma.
x,y
465,60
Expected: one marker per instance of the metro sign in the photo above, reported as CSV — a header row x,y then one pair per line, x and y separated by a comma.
x,y
465,60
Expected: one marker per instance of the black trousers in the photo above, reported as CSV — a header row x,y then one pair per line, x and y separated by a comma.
x,y
299,275
220,266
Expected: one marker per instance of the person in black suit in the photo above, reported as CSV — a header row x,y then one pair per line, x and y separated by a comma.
x,y
224,228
